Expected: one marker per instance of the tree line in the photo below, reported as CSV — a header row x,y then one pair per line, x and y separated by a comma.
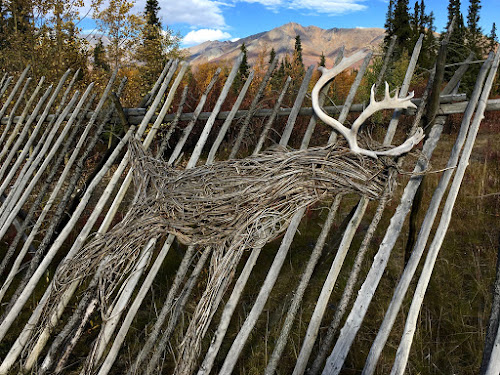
x,y
467,36
45,34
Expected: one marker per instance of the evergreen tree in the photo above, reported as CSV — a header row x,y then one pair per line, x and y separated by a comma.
x,y
322,60
457,52
297,65
429,42
424,18
493,39
423,24
297,56
100,57
151,11
287,63
415,24
453,10
272,55
155,45
402,26
243,70
278,75
408,26
474,33
416,17
389,24
282,69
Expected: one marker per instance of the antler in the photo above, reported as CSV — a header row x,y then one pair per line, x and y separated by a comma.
x,y
387,103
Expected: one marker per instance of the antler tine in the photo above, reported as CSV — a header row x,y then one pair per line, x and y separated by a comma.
x,y
387,95
372,93
406,146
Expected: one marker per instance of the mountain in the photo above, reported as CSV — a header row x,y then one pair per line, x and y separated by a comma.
x,y
314,41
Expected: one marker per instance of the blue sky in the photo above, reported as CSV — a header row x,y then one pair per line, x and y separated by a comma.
x,y
201,20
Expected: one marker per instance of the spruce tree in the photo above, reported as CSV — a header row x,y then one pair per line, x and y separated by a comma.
x,y
100,57
278,75
151,11
322,60
402,25
429,43
416,17
424,18
493,39
156,44
457,52
297,56
474,33
297,63
423,23
282,71
272,55
287,63
415,24
389,24
243,70
453,10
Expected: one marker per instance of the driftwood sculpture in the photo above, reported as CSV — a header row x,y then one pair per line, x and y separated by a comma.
x,y
231,206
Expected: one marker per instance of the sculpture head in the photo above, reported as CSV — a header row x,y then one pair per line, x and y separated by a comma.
x,y
388,102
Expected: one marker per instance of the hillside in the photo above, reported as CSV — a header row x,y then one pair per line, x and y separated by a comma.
x,y
314,41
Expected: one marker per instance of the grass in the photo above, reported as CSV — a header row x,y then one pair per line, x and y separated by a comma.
x,y
452,324
453,320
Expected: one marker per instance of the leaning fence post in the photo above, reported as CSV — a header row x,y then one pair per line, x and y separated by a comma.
x,y
24,131
391,131
287,132
14,91
252,108
13,111
215,111
418,249
423,282
229,119
187,130
493,323
269,123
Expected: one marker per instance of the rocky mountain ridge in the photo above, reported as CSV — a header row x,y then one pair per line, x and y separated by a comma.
x,y
314,42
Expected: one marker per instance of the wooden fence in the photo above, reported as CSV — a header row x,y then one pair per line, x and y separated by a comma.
x,y
56,205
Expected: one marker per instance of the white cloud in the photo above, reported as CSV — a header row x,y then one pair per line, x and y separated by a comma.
x,y
271,4
203,35
331,7
234,39
199,13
